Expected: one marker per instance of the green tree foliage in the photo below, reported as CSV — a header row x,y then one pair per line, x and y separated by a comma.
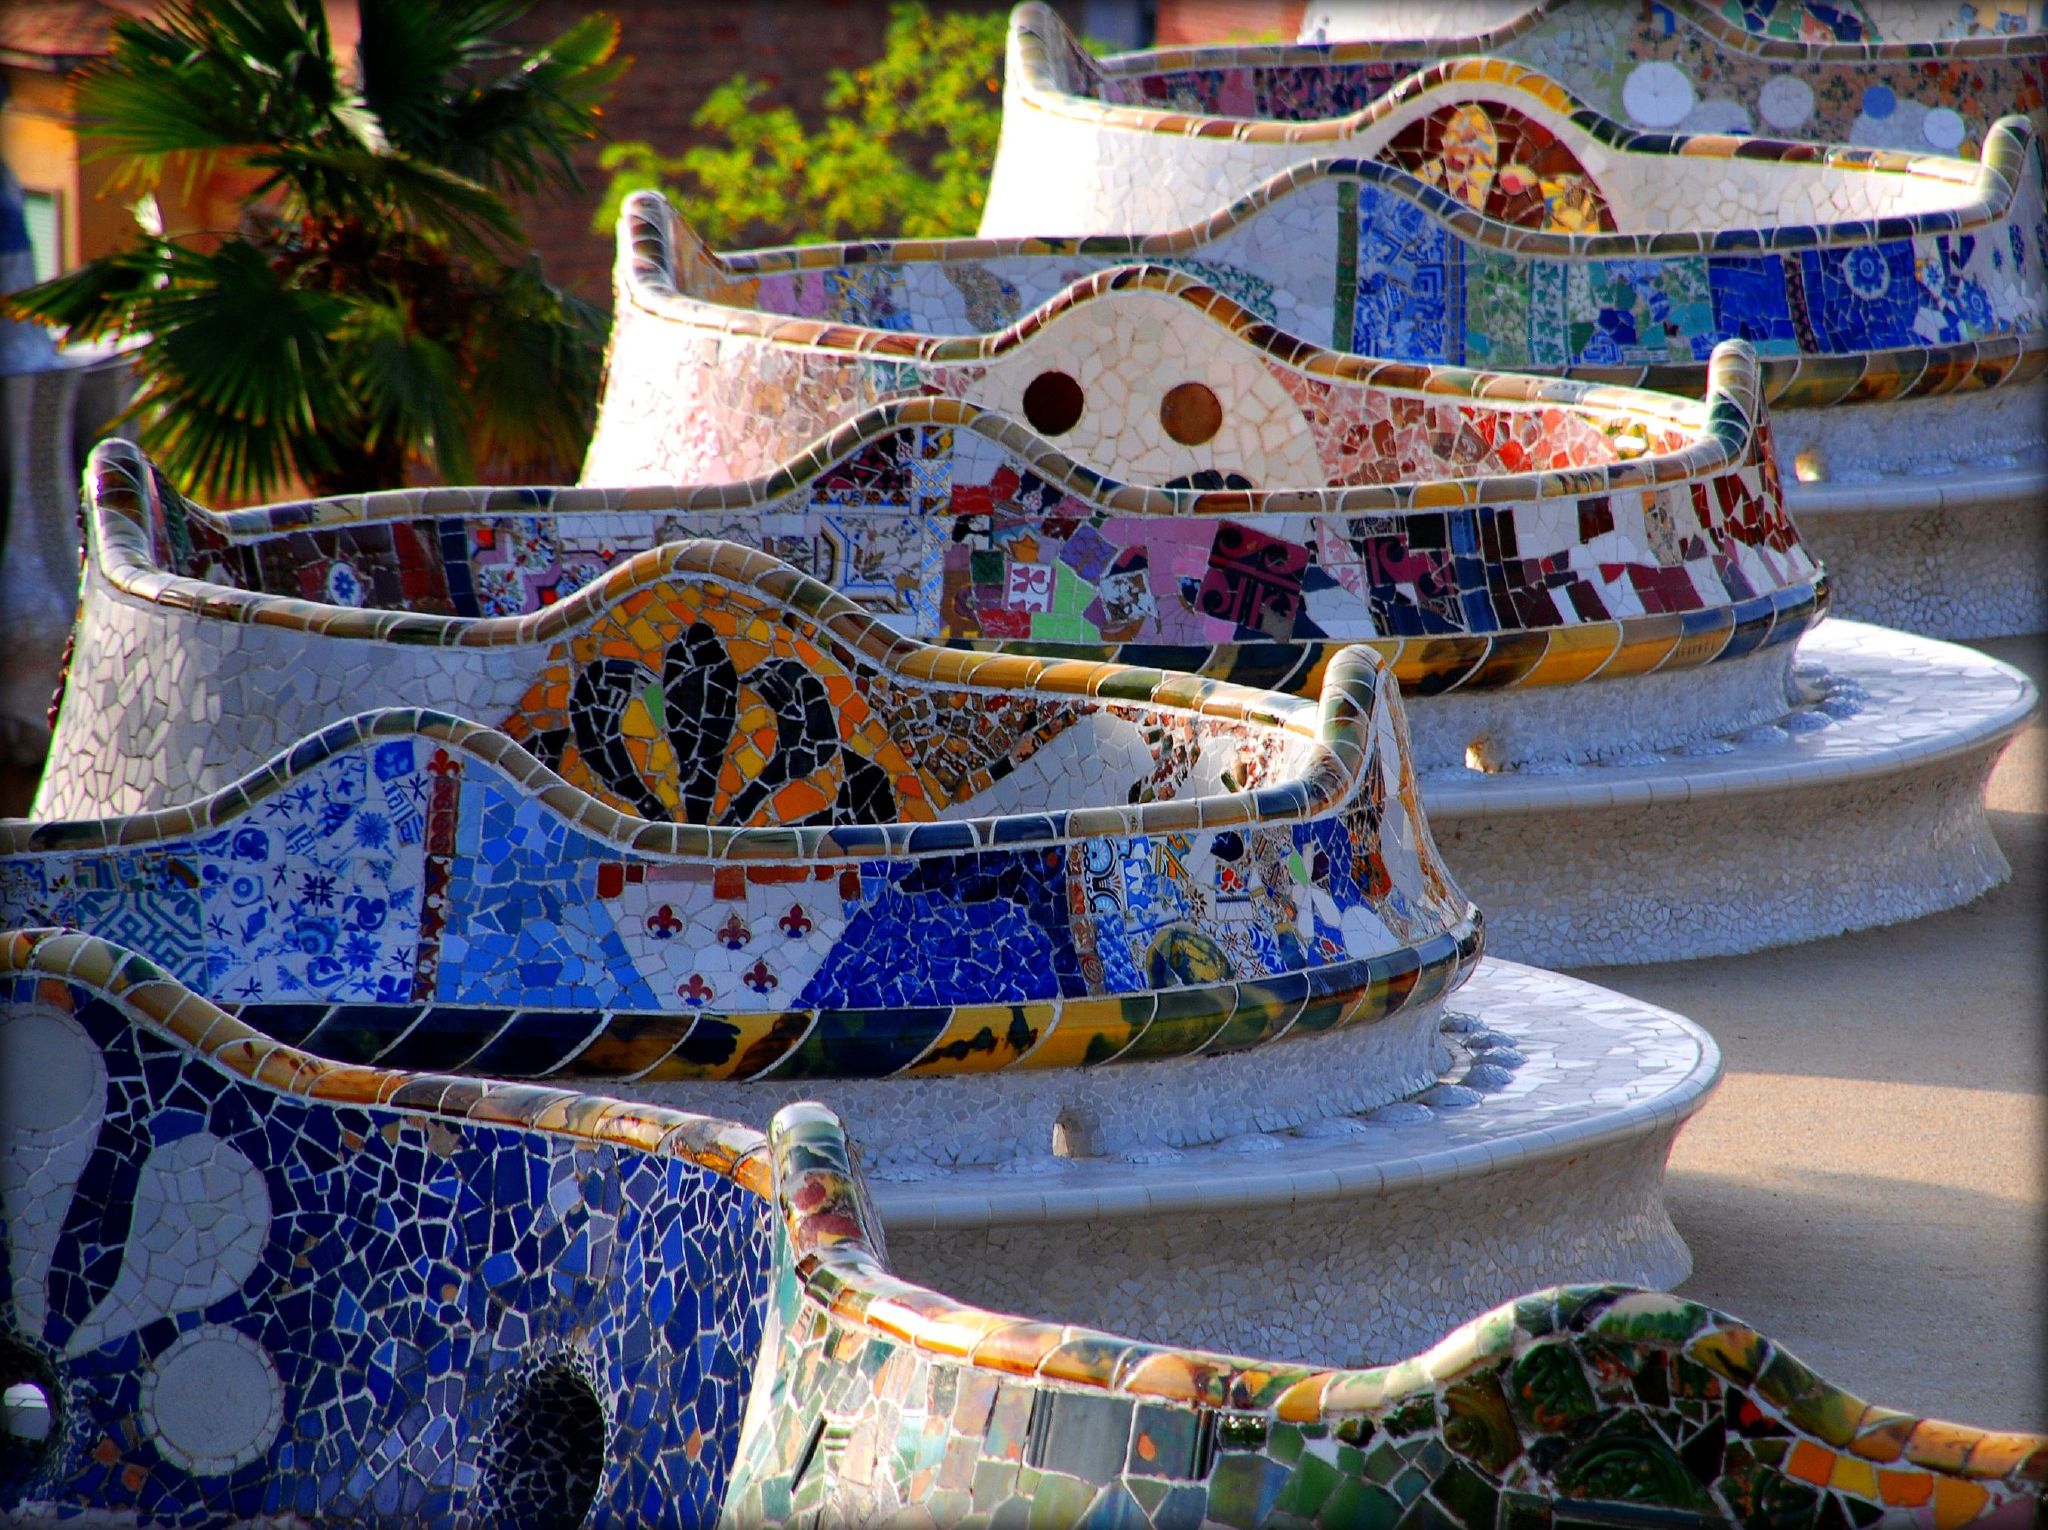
x,y
376,309
905,150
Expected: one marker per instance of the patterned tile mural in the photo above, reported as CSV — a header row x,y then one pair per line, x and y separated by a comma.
x,y
1518,165
371,819
254,1285
1915,277
1929,78
628,1315
873,857
548,610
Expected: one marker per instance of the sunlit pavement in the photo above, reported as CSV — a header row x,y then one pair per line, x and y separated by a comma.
x,y
1870,1185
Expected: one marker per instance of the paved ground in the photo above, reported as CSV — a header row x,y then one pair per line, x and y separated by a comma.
x,y
1870,1183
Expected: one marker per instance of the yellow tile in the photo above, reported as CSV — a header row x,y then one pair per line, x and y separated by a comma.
x,y
1957,1502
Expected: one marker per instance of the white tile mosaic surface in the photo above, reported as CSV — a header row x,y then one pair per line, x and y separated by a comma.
x,y
1419,1217
1862,806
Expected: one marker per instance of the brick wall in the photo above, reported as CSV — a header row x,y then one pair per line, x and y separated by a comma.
x,y
1184,22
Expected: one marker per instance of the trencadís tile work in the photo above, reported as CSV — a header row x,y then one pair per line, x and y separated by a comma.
x,y
254,1285
1638,612
936,862
789,851
1926,78
1634,77
1517,538
796,852
1477,213
967,703
620,1314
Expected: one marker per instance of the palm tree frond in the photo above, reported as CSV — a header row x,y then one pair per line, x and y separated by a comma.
x,y
534,383
205,77
407,386
239,341
386,188
505,116
218,456
95,301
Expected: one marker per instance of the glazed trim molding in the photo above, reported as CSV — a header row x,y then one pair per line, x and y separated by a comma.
x,y
839,1257
1040,43
805,1169
1337,769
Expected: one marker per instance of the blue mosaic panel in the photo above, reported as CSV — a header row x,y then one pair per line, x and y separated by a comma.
x,y
1410,300
415,1319
1964,310
968,929
1638,312
526,926
1751,302
1862,298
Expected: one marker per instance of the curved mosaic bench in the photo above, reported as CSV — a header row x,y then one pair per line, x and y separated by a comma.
x,y
917,862
1180,918
255,1284
1826,73
1476,213
173,688
1161,361
1489,594
451,1388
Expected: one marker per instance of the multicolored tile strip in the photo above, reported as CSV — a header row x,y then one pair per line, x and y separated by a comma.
x,y
1893,281
1929,78
953,524
1819,68
757,834
1914,277
643,804
1477,181
588,1291
1257,407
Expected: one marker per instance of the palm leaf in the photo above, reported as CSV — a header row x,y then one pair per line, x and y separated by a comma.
x,y
503,115
392,189
208,77
95,301
236,356
406,385
219,456
518,128
532,390
239,338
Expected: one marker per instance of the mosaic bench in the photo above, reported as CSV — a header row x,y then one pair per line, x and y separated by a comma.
x,y
1477,214
1229,897
428,1299
189,617
1928,78
753,356
1586,532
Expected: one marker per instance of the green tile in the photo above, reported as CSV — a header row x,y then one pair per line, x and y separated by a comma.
x,y
1360,1506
